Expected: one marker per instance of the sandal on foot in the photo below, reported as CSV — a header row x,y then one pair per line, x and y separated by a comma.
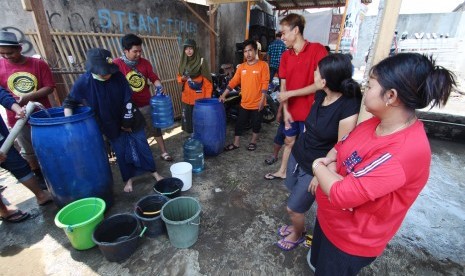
x,y
252,147
284,231
17,216
230,147
271,160
270,176
166,157
289,245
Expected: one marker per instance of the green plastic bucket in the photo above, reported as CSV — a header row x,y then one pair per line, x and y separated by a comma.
x,y
79,220
182,219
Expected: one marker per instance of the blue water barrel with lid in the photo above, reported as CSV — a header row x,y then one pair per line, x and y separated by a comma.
x,y
193,153
209,120
72,155
162,110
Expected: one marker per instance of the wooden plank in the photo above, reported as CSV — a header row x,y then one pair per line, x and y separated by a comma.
x,y
383,44
45,38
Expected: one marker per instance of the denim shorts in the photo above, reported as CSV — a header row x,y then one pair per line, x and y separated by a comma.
x,y
17,166
297,181
296,128
279,137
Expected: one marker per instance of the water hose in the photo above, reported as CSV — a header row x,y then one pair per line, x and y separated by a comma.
x,y
17,128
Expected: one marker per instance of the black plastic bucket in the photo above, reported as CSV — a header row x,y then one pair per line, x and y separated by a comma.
x,y
117,236
170,187
148,210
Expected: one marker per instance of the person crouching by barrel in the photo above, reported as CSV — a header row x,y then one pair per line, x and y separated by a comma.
x,y
194,74
105,89
12,161
253,76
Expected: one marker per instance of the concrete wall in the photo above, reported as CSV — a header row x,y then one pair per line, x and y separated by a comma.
x,y
440,23
149,17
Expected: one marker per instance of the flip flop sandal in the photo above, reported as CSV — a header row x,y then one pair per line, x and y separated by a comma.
x,y
252,147
17,216
270,176
271,161
284,231
290,244
230,147
166,157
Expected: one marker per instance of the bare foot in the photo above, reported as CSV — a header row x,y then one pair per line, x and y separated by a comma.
x,y
157,176
128,186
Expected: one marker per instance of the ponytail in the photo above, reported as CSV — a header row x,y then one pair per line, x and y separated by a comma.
x,y
418,81
437,87
351,89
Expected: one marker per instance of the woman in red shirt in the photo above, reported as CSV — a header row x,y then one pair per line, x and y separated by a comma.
x,y
369,180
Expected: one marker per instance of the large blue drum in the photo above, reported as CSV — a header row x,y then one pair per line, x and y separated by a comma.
x,y
210,125
72,155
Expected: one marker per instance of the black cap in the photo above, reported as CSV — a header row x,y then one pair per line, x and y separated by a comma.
x,y
99,62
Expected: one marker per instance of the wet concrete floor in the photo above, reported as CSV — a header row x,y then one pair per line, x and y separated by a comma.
x,y
240,215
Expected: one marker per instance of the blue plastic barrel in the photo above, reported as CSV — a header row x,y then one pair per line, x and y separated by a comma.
x,y
210,125
72,155
162,110
193,153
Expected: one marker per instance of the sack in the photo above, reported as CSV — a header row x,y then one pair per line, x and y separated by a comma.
x,y
196,86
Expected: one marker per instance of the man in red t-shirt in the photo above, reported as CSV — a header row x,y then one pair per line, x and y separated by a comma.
x,y
138,72
297,91
27,79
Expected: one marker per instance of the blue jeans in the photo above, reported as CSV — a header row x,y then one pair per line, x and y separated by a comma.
x,y
16,165
297,181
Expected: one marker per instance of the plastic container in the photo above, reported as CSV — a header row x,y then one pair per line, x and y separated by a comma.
x,y
148,210
117,237
209,120
162,110
79,220
170,187
183,171
72,155
193,154
182,218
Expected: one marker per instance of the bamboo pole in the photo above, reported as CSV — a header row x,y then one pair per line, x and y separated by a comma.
x,y
343,24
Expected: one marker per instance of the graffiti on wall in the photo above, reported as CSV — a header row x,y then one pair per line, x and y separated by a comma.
x,y
140,23
121,21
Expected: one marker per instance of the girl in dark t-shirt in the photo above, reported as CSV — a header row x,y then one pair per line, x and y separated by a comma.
x,y
333,115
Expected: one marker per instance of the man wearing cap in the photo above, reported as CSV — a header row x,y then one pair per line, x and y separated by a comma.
x,y
27,79
138,72
105,89
196,80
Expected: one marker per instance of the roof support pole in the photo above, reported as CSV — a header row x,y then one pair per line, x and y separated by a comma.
x,y
46,45
389,12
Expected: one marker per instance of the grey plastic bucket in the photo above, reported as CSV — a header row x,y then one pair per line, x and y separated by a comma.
x,y
151,204
182,219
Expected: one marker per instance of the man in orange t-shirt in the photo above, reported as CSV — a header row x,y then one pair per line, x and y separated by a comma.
x,y
253,76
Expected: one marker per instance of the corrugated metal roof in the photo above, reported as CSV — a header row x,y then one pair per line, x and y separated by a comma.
x,y
305,4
